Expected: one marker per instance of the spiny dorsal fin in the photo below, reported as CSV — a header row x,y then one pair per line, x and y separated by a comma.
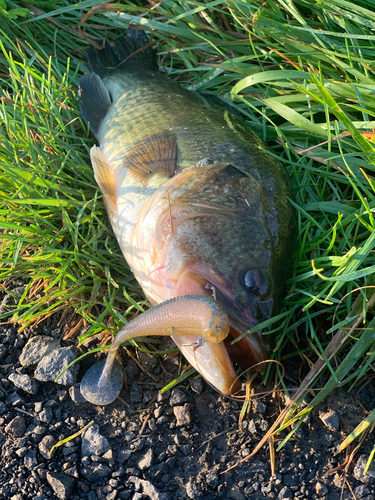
x,y
106,177
154,153
94,101
133,50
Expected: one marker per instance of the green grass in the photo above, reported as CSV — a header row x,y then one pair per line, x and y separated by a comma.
x,y
301,73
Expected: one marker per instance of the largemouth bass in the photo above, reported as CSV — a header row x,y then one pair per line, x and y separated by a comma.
x,y
199,209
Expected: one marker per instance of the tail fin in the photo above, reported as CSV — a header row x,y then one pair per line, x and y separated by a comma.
x,y
113,57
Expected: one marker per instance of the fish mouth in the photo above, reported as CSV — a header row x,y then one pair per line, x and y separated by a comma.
x,y
215,361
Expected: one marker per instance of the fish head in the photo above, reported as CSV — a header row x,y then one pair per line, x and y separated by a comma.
x,y
213,230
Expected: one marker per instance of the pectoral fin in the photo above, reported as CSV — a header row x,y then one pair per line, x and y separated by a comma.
x,y
154,153
106,177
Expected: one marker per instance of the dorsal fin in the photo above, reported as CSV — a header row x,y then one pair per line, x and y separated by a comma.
x,y
154,153
106,177
133,50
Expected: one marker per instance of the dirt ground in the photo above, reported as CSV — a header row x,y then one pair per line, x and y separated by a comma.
x,y
171,446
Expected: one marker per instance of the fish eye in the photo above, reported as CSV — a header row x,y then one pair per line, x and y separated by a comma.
x,y
256,283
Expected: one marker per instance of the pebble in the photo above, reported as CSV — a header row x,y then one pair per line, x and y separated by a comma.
x,y
52,364
212,479
123,456
16,427
259,406
30,461
24,382
285,494
196,385
61,484
147,460
46,415
37,348
367,478
148,488
192,490
178,397
15,399
148,361
361,491
321,489
45,446
93,443
75,394
330,419
95,471
182,414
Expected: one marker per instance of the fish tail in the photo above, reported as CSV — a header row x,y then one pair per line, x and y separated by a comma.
x,y
132,50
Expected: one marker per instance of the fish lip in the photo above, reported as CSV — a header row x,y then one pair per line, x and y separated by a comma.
x,y
217,286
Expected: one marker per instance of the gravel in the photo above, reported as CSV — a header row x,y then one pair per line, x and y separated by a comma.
x,y
164,446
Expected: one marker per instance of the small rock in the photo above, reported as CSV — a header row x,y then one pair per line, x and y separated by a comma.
x,y
72,471
24,382
182,414
95,471
163,396
15,399
361,491
146,461
45,446
52,364
46,415
62,394
321,489
61,484
16,427
123,456
148,361
38,407
212,479
18,496
93,443
148,488
178,397
196,385
75,394
30,461
367,478
192,490
330,419
147,396
252,427
259,406
36,348
3,352
3,408
285,494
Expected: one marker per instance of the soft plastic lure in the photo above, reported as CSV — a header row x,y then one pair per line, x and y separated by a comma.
x,y
195,318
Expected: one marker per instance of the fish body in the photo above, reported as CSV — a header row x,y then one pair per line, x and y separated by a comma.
x,y
197,205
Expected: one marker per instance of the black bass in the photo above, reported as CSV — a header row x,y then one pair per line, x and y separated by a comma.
x,y
198,207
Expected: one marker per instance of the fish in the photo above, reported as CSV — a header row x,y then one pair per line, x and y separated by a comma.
x,y
199,207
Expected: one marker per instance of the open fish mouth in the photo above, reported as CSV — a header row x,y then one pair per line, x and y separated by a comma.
x,y
215,363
